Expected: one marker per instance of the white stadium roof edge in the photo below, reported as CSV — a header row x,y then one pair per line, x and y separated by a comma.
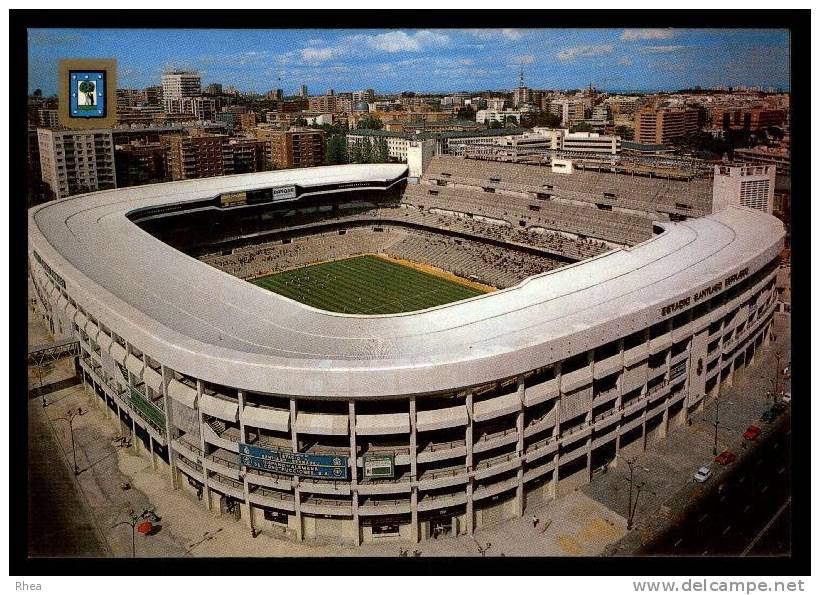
x,y
208,324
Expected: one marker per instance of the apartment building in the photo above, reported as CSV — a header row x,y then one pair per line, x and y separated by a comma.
x,y
322,103
297,147
140,163
177,84
73,162
661,126
195,156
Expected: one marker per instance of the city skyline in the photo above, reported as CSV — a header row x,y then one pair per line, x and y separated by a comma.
x,y
426,60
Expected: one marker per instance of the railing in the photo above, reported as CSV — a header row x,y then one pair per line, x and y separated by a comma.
x,y
540,443
449,472
284,496
437,446
500,434
224,461
382,502
575,430
605,414
503,458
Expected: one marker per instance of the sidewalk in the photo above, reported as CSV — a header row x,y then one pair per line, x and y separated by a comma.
x,y
668,466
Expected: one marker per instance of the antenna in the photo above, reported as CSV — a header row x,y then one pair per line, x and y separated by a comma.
x,y
521,79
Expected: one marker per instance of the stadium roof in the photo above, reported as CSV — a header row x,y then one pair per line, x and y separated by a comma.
x,y
211,325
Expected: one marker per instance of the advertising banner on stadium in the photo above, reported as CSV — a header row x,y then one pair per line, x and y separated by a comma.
x,y
283,193
378,466
293,463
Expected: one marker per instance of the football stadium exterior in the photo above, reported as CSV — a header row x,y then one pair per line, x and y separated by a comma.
x,y
402,426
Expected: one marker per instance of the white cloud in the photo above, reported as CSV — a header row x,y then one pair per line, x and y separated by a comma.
x,y
399,41
494,34
643,34
524,59
624,62
584,51
661,49
317,54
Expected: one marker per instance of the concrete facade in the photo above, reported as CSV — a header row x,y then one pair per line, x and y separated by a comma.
x,y
471,439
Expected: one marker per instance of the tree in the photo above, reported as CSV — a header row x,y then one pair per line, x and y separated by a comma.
x,y
382,151
336,150
465,113
371,123
582,127
625,132
300,121
356,152
367,151
88,88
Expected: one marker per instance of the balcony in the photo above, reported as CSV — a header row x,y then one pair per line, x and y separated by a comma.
x,y
538,393
430,502
227,486
576,379
489,491
489,441
607,366
544,422
496,465
496,407
442,478
325,506
272,499
215,433
575,433
604,396
660,343
636,354
437,451
221,463
374,507
439,419
395,485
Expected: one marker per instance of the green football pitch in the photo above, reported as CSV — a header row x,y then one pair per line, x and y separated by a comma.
x,y
365,285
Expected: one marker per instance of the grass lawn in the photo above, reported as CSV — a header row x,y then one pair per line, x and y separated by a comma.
x,y
365,285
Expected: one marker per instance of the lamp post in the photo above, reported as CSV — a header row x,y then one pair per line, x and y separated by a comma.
x,y
717,417
133,519
69,417
630,512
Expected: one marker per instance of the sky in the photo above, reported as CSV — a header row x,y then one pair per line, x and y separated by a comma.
x,y
425,60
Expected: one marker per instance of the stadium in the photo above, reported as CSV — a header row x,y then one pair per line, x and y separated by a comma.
x,y
335,353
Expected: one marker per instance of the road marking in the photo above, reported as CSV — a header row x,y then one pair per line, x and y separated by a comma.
x,y
742,479
706,551
763,491
748,506
782,469
726,530
677,543
703,516
722,498
766,528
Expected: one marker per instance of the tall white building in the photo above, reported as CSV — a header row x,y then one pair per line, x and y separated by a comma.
x,y
745,185
73,162
178,84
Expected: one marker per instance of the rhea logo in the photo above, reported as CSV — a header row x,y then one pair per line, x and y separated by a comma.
x,y
23,586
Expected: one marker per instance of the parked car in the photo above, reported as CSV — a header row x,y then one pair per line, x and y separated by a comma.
x,y
768,416
702,474
786,398
726,457
751,433
779,407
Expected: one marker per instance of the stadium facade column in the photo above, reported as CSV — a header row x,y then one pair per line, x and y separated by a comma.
x,y
469,461
519,425
414,490
169,423
247,507
297,497
588,417
206,490
556,434
354,471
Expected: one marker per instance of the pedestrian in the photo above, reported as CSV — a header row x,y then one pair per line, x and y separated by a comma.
x,y
44,402
534,521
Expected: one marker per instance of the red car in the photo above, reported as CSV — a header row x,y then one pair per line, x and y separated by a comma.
x,y
726,457
751,433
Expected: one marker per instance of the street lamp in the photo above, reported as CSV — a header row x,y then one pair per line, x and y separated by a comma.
x,y
630,510
133,519
69,417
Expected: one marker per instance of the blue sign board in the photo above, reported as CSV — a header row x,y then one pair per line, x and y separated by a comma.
x,y
293,463
87,93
